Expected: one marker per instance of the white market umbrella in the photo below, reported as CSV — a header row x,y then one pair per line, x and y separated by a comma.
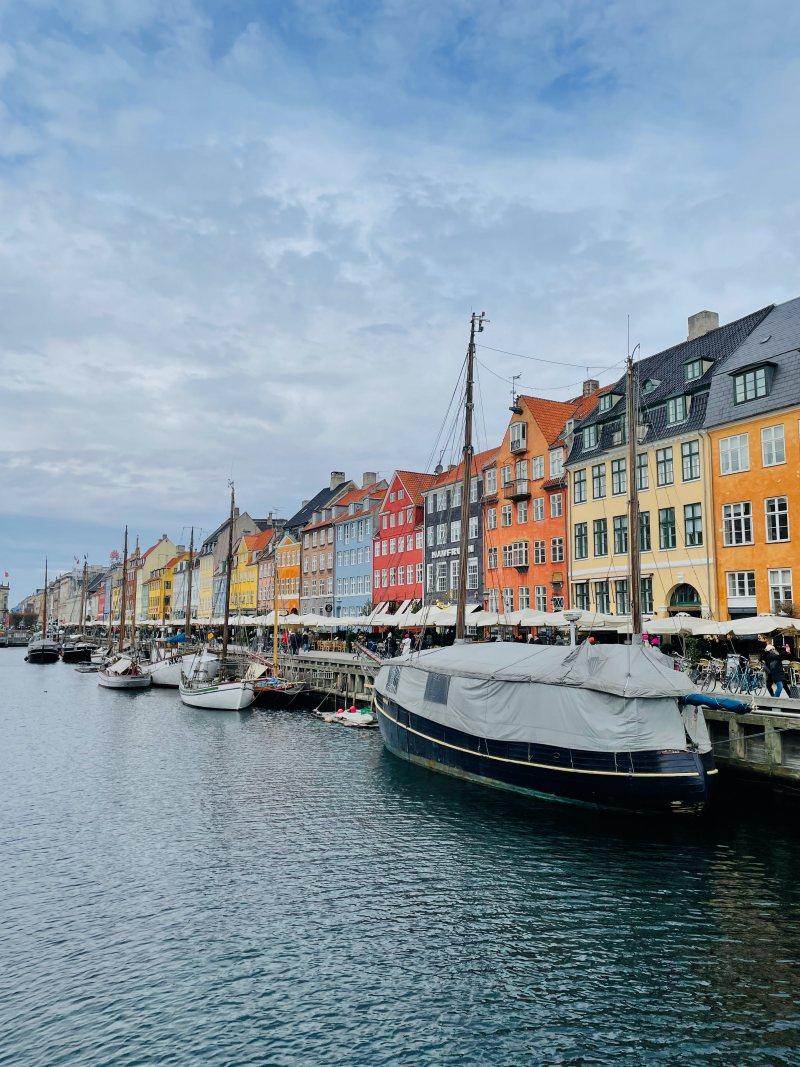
x,y
762,624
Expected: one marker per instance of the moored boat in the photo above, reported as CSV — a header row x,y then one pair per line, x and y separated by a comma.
x,y
77,650
123,673
217,695
42,650
168,669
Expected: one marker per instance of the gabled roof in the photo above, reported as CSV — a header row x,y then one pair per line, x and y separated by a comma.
x,y
174,560
357,496
549,415
256,541
324,497
415,483
456,473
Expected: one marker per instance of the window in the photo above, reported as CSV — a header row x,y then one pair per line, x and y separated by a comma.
x,y
667,536
539,554
780,588
518,436
590,437
490,481
693,370
557,550
418,539
505,475
436,688
619,480
410,574
644,542
401,494
428,577
677,409
456,499
524,598
621,533
600,530
777,515
441,500
556,505
605,402
522,511
493,600
621,596
519,554
773,446
410,543
392,519
537,467
581,540
540,597
665,475
734,454
693,525
750,385
601,600
472,574
473,491
741,584
491,518
642,473
505,515
418,575
538,508
491,559
430,536
556,462
737,524
579,486
598,481
473,527
441,577
521,470
393,575
508,600
580,595
646,587
401,517
455,531
441,533
690,460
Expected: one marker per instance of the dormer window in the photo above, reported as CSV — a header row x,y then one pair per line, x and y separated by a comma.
x,y
677,409
751,384
518,436
570,427
650,385
695,369
606,402
590,436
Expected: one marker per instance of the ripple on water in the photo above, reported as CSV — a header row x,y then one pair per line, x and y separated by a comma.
x,y
183,887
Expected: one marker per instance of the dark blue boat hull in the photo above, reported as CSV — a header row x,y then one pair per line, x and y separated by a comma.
x,y
655,781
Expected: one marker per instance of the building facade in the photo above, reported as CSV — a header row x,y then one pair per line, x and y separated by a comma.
x,y
443,534
398,546
753,428
355,524
672,481
287,568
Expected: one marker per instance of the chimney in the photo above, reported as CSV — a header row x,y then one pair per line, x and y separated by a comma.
x,y
590,386
337,477
701,323
303,504
368,478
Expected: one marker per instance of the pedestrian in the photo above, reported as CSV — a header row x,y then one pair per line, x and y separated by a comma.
x,y
406,648
391,644
773,667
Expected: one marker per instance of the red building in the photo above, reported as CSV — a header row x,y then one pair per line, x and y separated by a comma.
x,y
398,546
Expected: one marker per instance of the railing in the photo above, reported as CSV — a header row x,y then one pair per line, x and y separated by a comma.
x,y
515,490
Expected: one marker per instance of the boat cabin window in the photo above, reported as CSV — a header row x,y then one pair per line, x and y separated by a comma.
x,y
436,688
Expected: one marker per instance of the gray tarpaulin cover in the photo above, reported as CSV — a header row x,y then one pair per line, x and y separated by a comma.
x,y
606,698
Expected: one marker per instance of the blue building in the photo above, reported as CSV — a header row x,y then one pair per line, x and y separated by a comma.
x,y
355,522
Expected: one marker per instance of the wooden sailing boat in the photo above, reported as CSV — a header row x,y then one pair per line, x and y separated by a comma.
x,y
276,689
124,672
227,690
77,649
607,726
40,648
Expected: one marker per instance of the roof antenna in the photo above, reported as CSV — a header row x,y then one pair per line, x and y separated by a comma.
x,y
515,408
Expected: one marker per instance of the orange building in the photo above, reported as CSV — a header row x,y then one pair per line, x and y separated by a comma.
x,y
525,506
754,445
287,566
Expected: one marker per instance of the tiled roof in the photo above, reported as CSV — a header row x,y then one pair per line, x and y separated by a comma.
x,y
549,415
455,473
174,560
665,371
357,496
255,542
777,341
316,503
415,483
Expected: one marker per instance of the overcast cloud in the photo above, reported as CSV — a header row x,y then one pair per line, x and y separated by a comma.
x,y
247,243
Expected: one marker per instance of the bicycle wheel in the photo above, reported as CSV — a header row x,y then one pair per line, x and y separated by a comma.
x,y
759,683
706,681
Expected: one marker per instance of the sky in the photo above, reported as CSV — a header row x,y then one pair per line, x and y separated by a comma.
x,y
244,240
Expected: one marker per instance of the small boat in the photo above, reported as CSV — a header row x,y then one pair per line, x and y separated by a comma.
x,y
87,668
273,690
42,650
77,650
168,668
354,716
226,687
123,673
100,655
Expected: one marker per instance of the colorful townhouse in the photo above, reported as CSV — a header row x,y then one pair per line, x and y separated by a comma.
x,y
212,555
158,588
753,428
287,570
673,483
443,533
525,507
143,565
311,525
244,576
398,547
180,588
355,524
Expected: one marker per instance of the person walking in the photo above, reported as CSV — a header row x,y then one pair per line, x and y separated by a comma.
x,y
773,667
406,647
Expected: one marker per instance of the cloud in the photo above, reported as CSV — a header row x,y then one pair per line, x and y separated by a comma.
x,y
246,240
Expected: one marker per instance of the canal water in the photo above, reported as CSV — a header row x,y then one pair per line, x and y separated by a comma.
x,y
183,887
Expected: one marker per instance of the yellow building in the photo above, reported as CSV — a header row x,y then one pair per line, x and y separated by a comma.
x,y
287,565
149,561
244,577
159,590
673,482
211,570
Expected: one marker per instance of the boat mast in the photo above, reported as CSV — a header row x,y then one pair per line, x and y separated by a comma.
x,y
476,326
44,601
187,628
83,597
133,608
632,426
228,580
123,591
